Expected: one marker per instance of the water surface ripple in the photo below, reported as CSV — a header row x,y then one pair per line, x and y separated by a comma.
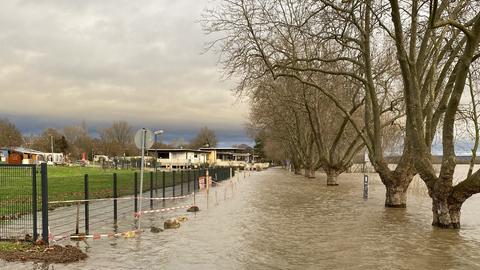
x,y
276,220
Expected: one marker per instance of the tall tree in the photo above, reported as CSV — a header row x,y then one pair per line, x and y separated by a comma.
x,y
117,139
9,134
310,42
51,137
205,136
436,43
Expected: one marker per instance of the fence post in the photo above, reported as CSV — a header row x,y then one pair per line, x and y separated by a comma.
x,y
135,190
207,185
173,180
43,172
181,182
87,228
156,183
151,190
188,180
163,185
34,202
195,179
115,196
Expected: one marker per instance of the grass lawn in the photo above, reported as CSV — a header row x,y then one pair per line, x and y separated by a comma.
x,y
67,183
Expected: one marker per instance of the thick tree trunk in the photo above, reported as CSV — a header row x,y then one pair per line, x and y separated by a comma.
x,y
396,196
445,215
309,173
396,182
332,178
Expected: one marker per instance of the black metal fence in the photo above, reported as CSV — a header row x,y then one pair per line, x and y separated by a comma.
x,y
121,192
27,209
22,195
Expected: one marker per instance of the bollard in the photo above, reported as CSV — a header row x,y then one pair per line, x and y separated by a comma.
x,y
365,186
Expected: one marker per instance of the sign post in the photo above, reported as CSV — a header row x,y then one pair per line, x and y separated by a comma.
x,y
365,186
143,139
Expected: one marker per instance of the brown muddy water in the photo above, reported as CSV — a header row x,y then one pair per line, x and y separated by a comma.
x,y
276,220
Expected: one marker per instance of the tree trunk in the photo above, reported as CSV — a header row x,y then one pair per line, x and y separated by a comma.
x,y
396,196
332,178
309,172
445,215
396,182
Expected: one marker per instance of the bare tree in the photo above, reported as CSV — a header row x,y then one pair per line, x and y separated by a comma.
x,y
9,134
436,43
205,137
79,140
117,139
304,40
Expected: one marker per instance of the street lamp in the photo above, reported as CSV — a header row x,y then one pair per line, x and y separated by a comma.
x,y
158,132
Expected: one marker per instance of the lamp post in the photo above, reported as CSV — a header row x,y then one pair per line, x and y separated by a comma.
x,y
155,133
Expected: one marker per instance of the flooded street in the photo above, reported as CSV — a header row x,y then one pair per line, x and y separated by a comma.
x,y
276,220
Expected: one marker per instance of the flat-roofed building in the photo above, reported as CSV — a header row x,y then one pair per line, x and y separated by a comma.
x,y
179,158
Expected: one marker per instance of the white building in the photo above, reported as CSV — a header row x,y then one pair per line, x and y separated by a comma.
x,y
178,158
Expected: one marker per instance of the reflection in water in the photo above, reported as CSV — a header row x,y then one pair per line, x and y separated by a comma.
x,y
276,220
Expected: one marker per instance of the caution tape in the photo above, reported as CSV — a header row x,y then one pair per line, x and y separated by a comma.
x,y
121,198
98,236
138,214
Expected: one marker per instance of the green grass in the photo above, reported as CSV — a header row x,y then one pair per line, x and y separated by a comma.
x,y
67,183
14,246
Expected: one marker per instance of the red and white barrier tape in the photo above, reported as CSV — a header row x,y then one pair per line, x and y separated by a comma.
x,y
122,198
138,214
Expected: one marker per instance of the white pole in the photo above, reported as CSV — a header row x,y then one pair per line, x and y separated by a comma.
x,y
142,164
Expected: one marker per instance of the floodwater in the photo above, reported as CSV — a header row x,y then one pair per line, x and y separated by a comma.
x,y
276,220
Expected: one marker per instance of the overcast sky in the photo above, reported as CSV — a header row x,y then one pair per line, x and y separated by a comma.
x,y
62,62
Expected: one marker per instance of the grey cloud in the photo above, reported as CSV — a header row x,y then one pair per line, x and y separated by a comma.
x,y
106,60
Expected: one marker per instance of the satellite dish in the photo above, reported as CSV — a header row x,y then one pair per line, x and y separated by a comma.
x,y
149,138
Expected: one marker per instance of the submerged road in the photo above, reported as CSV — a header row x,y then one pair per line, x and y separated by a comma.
x,y
276,220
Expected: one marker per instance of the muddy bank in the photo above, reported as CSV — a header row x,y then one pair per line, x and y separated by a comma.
x,y
21,252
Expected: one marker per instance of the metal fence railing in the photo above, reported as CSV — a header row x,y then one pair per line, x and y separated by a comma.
x,y
31,202
92,201
18,202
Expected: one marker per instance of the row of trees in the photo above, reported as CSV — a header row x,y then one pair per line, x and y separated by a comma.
x,y
327,78
76,140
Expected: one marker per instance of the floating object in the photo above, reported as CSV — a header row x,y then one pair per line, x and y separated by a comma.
x,y
182,218
154,229
193,208
171,223
129,234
